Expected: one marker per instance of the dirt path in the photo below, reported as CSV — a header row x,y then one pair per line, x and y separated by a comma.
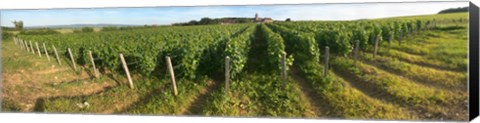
x,y
257,60
317,104
420,63
456,110
28,77
375,93
418,80
196,106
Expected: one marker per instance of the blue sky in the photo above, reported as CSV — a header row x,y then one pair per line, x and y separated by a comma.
x,y
168,15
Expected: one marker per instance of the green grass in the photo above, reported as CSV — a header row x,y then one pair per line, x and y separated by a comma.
x,y
257,95
347,101
438,48
28,77
428,98
419,60
10,106
14,59
150,96
166,103
444,79
98,103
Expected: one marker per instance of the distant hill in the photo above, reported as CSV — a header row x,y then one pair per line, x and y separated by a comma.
x,y
80,26
207,21
453,10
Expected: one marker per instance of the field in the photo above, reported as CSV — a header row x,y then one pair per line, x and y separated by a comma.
x,y
404,68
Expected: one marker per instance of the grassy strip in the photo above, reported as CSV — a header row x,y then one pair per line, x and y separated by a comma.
x,y
257,95
446,79
415,59
343,100
449,48
419,45
98,103
431,99
141,100
166,103
349,102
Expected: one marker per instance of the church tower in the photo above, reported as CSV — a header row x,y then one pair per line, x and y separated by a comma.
x,y
256,19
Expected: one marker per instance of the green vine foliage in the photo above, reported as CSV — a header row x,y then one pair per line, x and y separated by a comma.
x,y
302,46
145,49
237,49
275,49
337,40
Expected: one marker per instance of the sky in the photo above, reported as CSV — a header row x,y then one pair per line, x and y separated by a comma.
x,y
169,15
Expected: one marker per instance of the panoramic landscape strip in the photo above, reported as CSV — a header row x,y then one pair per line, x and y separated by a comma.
x,y
396,68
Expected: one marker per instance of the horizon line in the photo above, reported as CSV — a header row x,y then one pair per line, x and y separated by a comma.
x,y
40,26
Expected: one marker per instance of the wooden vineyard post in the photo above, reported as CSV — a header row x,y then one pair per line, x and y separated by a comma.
x,y
15,41
46,52
376,46
327,55
93,64
355,53
227,74
29,44
38,49
415,33
71,58
56,55
31,48
284,69
400,37
21,44
408,34
389,42
28,47
25,46
172,75
427,27
125,67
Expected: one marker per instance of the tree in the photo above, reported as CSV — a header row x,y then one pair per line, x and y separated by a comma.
x,y
453,10
87,29
18,25
288,19
192,22
205,21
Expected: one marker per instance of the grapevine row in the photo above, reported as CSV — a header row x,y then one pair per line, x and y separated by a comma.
x,y
144,49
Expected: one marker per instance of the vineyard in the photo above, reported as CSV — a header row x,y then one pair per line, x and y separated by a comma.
x,y
404,68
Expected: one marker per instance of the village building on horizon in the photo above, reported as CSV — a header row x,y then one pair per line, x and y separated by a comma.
x,y
262,20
